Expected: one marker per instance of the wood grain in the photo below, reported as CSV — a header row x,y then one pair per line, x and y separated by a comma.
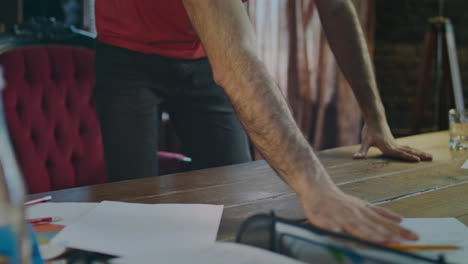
x,y
426,189
446,202
408,182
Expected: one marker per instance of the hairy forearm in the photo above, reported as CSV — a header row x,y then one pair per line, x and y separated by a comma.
x,y
265,115
223,28
347,42
260,106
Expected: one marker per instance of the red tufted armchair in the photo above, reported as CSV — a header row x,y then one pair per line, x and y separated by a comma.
x,y
50,110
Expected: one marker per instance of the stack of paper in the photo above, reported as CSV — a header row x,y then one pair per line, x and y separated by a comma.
x,y
186,233
125,229
220,252
441,231
141,233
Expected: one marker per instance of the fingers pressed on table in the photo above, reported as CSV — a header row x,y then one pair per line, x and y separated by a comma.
x,y
366,230
396,230
354,228
424,156
359,224
402,154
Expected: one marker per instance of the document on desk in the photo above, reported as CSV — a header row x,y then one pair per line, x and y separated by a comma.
x,y
432,231
220,252
68,213
438,236
441,231
129,229
465,165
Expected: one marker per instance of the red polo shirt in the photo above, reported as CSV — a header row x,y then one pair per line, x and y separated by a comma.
x,y
149,26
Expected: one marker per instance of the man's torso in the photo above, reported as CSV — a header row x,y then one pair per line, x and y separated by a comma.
x,y
149,26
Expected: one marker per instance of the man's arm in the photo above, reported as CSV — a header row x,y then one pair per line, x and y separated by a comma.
x,y
229,41
347,41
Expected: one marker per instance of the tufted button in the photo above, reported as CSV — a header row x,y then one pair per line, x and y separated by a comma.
x,y
57,134
48,163
44,104
82,129
27,77
67,103
33,136
19,108
74,159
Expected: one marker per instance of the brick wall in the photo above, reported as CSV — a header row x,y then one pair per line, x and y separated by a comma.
x,y
401,25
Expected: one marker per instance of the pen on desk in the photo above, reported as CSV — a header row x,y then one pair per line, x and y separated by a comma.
x,y
422,247
44,220
36,201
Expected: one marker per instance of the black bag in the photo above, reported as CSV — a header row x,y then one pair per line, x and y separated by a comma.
x,y
302,241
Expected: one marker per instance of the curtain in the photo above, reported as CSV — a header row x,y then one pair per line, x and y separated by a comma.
x,y
292,44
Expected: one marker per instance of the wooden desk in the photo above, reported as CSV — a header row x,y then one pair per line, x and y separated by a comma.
x,y
426,189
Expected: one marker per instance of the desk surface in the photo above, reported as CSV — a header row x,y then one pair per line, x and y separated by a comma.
x,y
427,189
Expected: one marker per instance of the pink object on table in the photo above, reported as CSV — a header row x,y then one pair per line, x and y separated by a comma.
x,y
40,200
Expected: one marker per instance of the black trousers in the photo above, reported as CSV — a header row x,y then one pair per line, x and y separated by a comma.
x,y
132,88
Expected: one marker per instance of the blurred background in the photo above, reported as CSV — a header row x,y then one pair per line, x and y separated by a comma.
x,y
292,43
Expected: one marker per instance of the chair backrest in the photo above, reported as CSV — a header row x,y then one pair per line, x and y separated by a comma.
x,y
49,106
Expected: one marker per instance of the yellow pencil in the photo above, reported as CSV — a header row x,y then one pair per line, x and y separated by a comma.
x,y
422,247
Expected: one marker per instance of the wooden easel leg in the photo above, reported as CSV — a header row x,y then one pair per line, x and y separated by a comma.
x,y
447,89
424,78
455,76
452,94
445,100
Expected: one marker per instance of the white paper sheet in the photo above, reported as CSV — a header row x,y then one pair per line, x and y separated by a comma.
x,y
441,231
68,212
437,230
127,229
432,231
465,165
220,252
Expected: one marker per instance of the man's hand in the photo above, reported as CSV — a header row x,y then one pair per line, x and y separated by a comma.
x,y
347,41
229,41
336,211
382,138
